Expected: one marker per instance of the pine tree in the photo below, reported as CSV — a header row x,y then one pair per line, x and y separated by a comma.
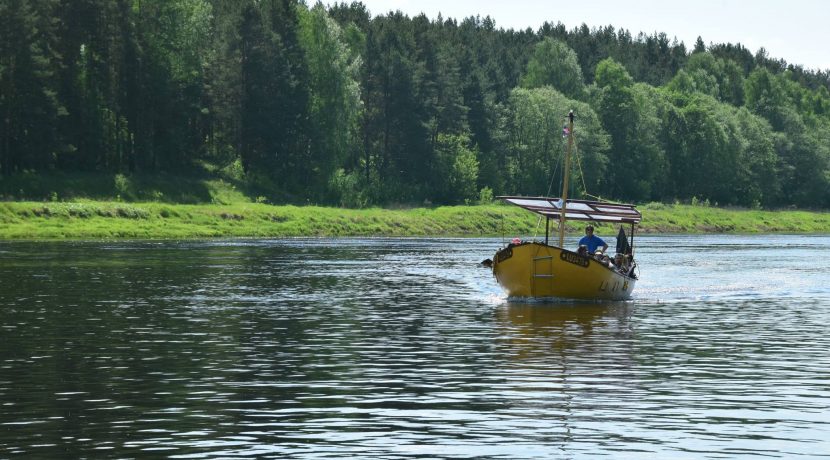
x,y
29,107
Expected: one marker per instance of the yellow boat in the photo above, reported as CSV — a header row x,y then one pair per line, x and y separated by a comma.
x,y
539,270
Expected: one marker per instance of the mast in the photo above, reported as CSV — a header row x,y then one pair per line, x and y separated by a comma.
x,y
566,172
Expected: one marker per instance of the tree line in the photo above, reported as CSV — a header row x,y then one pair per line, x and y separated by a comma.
x,y
332,105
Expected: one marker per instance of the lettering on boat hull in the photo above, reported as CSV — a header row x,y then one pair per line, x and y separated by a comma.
x,y
574,258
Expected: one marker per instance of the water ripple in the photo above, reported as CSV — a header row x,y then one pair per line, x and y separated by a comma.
x,y
404,348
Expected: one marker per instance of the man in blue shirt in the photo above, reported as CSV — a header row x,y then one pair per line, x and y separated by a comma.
x,y
592,241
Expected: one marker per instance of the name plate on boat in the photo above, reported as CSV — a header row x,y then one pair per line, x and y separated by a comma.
x,y
573,258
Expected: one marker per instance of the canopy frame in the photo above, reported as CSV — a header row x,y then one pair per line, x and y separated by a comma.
x,y
581,210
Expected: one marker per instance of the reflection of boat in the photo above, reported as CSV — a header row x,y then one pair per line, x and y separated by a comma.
x,y
540,270
563,332
536,320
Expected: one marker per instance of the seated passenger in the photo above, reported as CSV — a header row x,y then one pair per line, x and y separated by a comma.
x,y
583,250
605,260
629,263
619,262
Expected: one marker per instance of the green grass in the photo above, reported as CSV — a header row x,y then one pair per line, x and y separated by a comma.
x,y
219,204
661,218
151,220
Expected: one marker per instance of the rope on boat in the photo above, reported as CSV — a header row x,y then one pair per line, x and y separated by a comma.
x,y
550,187
582,177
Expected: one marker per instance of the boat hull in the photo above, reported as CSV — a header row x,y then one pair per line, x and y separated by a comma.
x,y
536,270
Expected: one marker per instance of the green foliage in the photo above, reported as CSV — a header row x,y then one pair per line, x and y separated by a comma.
x,y
717,77
612,74
334,93
234,170
456,169
554,64
765,96
800,138
329,104
637,163
122,185
274,135
536,145
348,189
30,108
758,181
162,188
682,83
696,81
485,196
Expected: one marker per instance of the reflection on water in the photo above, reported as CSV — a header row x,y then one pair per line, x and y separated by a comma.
x,y
402,348
555,331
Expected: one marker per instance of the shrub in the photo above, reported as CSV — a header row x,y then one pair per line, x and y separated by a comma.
x,y
234,170
122,185
80,211
131,213
485,196
654,206
231,216
42,211
348,190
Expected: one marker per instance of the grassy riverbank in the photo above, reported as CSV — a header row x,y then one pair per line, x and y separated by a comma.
x,y
95,219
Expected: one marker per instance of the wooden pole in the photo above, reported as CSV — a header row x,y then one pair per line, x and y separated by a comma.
x,y
567,173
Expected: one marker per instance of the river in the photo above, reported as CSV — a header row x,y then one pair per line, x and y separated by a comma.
x,y
405,348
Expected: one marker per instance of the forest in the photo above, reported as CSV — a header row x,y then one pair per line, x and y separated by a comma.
x,y
335,106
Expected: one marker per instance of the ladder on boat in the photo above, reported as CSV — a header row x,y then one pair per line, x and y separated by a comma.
x,y
541,279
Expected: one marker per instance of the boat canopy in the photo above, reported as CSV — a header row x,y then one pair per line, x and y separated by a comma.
x,y
595,211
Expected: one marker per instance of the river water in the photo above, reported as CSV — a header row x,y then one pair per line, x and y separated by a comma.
x,y
405,348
